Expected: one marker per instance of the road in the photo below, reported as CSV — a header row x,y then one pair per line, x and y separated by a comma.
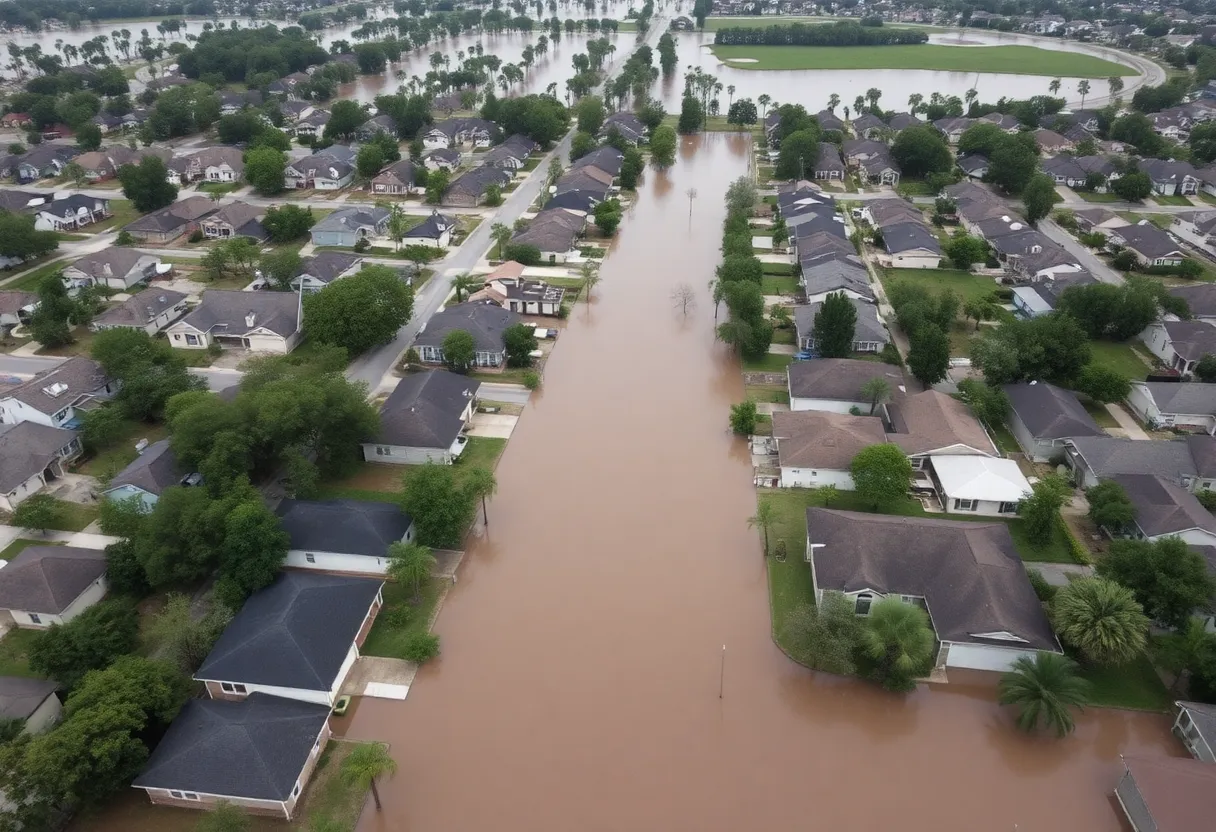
x,y
23,367
1084,256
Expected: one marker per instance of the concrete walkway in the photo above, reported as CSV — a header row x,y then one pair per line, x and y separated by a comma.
x,y
1059,574
1126,423
782,349
84,540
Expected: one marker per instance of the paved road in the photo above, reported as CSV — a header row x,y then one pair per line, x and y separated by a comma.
x,y
1084,256
505,393
24,367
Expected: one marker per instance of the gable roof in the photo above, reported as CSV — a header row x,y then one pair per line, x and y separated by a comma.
x,y
553,229
432,227
254,749
402,171
354,218
475,182
1108,456
1199,297
606,158
931,420
20,697
817,439
295,633
1179,794
424,410
1162,507
910,236
115,261
981,478
1192,399
839,379
350,527
484,321
1204,718
13,301
1146,239
869,326
1191,339
968,572
47,579
1050,412
326,266
82,377
141,308
190,209
228,310
152,471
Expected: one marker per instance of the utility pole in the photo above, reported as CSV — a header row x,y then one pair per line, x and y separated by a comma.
x,y
722,672
692,194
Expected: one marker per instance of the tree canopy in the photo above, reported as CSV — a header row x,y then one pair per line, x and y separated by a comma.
x,y
359,312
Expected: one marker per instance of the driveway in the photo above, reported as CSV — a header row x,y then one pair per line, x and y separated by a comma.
x,y
491,391
1084,256
493,425
1059,574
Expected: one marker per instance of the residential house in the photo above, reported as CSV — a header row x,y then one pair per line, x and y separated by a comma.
x,y
1006,122
1165,794
469,189
1042,417
1200,299
45,585
150,310
236,219
455,132
234,102
512,154
1170,178
868,126
298,638
324,268
869,334
1028,302
816,448
16,307
70,212
347,226
881,213
1190,462
1165,405
59,396
1064,170
985,613
835,384
829,165
1173,123
114,268
484,320
375,126
1050,141
879,170
311,125
31,455
293,110
348,536
32,702
323,171
435,231
982,485
44,161
167,224
441,159
606,158
211,164
826,118
14,200
506,287
256,321
953,128
1180,345
929,424
399,179
1198,228
857,150
1196,727
822,277
902,121
424,420
973,165
554,232
1164,509
911,245
147,476
1098,219
628,125
256,754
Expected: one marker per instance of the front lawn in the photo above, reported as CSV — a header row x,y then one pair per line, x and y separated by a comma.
x,y
964,284
329,794
402,617
1099,414
767,363
15,548
72,517
30,280
1120,357
15,652
770,285
1094,196
777,269
122,453
1136,686
1176,199
123,212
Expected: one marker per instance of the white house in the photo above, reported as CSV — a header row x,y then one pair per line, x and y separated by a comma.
x,y
57,397
1165,509
835,384
256,321
1180,344
424,420
150,310
436,230
816,448
505,287
115,268
32,701
47,585
31,455
979,484
1042,416
1168,405
349,536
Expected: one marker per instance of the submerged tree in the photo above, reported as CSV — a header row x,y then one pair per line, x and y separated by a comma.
x,y
1045,689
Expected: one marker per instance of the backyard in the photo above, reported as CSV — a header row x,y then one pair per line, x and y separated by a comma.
x,y
377,482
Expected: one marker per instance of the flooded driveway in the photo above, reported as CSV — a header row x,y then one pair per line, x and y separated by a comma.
x,y
578,686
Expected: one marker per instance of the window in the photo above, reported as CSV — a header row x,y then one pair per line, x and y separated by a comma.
x,y
184,795
310,557
232,687
35,618
296,790
863,604
61,415
964,505
192,339
1008,508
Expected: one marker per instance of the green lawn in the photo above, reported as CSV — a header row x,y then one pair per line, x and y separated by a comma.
x,y
401,617
384,483
1118,356
1013,60
964,284
109,462
330,795
14,652
783,336
768,363
914,187
73,517
124,212
1099,414
777,269
1093,196
779,285
1172,200
1136,686
29,281
1005,440
13,549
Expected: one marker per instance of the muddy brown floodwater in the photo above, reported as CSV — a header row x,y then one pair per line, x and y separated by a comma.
x,y
578,686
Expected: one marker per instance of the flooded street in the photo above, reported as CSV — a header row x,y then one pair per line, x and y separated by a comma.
x,y
578,686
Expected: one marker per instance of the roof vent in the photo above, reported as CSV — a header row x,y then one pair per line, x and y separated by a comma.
x,y
250,319
55,390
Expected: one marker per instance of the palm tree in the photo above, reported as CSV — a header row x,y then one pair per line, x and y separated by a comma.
x,y
1083,88
481,483
1101,619
1054,86
410,563
833,102
1116,85
764,100
224,818
914,102
970,95
1045,689
590,277
502,235
763,519
368,761
730,96
464,284
872,95
859,103
900,639
877,390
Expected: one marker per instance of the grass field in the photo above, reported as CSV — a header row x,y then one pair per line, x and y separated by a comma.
x,y
1118,357
1012,60
1094,196
964,284
15,651
113,459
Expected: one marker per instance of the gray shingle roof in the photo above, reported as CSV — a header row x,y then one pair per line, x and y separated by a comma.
x,y
817,439
173,216
141,308
1191,339
1050,412
868,328
554,229
432,227
26,449
1107,456
1204,717
295,633
909,236
153,471
968,572
839,379
931,420
1147,239
352,219
484,321
47,579
1193,399
424,410
607,159
227,310
1200,297
475,182
83,377
20,697
119,260
325,266
254,749
349,527
1163,507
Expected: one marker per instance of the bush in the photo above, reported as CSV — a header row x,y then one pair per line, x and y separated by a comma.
x,y
420,648
124,239
743,417
532,379
1207,499
196,236
362,245
1044,590
890,355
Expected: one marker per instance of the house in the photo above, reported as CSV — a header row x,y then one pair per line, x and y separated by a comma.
x,y
1200,300
375,126
1165,794
881,213
979,484
628,125
1196,727
212,164
469,189
822,277
868,126
47,585
323,171
931,423
312,125
348,536
441,159
293,110
1006,122
869,333
57,397
114,268
236,219
150,310
880,169
257,754
953,128
508,289
1164,509
167,224
298,638
14,200
424,420
1028,302
454,132
1151,245
827,119
1189,462
984,611
435,231
70,212
973,165
1171,178
606,158
1042,416
256,321
1050,141
1064,170
147,476
31,455
43,161
1167,405
347,226
324,268
16,307
816,448
1180,344
31,701
829,166
902,121
911,245
484,320
1197,228
512,154
835,384
554,232
399,178
1098,219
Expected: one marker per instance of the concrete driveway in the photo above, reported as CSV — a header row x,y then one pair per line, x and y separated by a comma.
x,y
493,425
490,391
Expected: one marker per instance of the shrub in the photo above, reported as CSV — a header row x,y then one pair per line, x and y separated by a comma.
x,y
1044,590
890,355
420,648
743,417
532,379
196,236
1207,499
362,245
124,239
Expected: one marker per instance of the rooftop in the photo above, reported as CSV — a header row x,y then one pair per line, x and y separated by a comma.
x,y
424,410
47,579
350,527
817,439
932,421
1050,412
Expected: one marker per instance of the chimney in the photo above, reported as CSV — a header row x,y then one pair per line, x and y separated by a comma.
x,y
250,318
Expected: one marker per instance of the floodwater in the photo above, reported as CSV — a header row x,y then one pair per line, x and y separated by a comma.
x,y
583,645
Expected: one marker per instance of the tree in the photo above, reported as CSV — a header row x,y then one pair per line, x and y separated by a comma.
x,y
581,145
1102,384
1044,689
920,151
877,391
1132,187
233,258
989,403
663,147
88,137
1205,370
361,311
743,417
798,154
280,266
1109,506
835,326
51,322
441,510
1168,578
898,637
1038,197
20,240
1083,89
763,519
90,641
929,354
825,637
37,513
436,186
964,250
881,475
147,184
149,372
631,168
1040,511
74,173
266,170
368,761
684,297
225,817
183,640
285,223
1050,347
502,235
1100,619
520,342
369,161
410,564
742,112
345,117
459,351
692,116
608,216
1014,162
252,553
589,112
465,284
482,484
124,573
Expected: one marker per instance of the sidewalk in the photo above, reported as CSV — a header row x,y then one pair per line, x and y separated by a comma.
x,y
84,540
1126,423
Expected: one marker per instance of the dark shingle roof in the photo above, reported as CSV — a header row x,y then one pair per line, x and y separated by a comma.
x,y
325,266
228,310
1200,297
484,321
153,471
968,572
424,410
26,448
1204,717
839,379
47,579
349,527
1147,239
141,308
1191,339
1162,507
295,633
1194,399
1050,412
20,697
1107,456
869,326
607,159
253,749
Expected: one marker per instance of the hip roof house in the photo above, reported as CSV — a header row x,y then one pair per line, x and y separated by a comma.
x,y
47,585
424,420
350,536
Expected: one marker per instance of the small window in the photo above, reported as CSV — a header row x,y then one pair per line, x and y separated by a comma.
x,y
310,557
191,796
296,790
863,604
232,687
192,339
35,618
1008,508
964,505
